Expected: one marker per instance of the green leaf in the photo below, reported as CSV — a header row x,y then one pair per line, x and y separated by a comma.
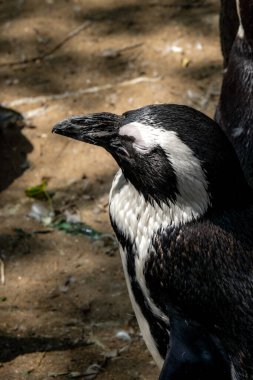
x,y
38,192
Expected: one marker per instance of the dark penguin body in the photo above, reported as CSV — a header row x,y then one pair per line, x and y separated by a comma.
x,y
182,212
229,24
235,109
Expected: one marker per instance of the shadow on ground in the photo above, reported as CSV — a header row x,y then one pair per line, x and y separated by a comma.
x,y
11,346
14,147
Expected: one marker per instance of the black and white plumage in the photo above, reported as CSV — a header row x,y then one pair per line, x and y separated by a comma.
x,y
235,109
183,215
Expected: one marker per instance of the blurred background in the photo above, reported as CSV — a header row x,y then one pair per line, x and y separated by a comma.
x,y
64,309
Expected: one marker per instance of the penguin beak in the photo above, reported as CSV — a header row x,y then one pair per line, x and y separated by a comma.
x,y
98,128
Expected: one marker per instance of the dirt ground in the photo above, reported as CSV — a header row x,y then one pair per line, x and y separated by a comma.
x,y
64,305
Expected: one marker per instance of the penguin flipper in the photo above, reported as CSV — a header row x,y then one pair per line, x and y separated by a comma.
x,y
194,354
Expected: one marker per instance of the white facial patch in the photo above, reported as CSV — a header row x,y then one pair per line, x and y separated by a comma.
x,y
240,32
192,184
145,137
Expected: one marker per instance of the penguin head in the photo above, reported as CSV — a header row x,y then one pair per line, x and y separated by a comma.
x,y
169,153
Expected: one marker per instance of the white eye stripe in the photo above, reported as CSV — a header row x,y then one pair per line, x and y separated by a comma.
x,y
141,148
191,178
145,136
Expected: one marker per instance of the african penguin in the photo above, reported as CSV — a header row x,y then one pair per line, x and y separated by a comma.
x,y
182,213
229,24
235,109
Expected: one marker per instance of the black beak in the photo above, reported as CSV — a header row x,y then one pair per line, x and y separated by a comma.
x,y
97,128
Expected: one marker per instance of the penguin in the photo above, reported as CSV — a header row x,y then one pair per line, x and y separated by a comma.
x,y
182,213
235,109
229,24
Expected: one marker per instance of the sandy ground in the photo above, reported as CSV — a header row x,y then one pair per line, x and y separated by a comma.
x,y
64,299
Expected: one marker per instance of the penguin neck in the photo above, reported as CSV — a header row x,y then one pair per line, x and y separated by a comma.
x,y
139,220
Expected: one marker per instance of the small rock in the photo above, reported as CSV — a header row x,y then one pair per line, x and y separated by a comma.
x,y
109,53
74,375
40,213
199,46
92,371
123,335
72,216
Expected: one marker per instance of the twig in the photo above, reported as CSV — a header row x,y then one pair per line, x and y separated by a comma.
x,y
113,53
38,111
130,47
89,90
45,55
2,274
43,354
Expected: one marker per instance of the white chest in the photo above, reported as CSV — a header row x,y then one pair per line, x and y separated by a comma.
x,y
139,221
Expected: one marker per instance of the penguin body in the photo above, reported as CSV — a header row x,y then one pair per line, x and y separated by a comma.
x,y
229,24
235,109
182,213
